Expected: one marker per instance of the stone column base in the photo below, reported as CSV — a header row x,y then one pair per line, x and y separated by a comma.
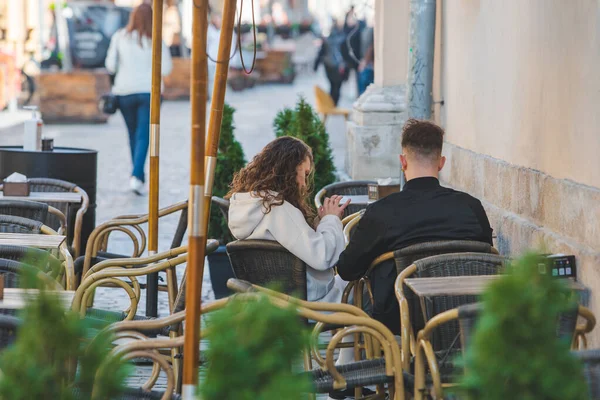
x,y
373,135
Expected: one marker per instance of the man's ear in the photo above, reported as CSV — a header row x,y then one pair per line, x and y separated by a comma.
x,y
403,162
442,163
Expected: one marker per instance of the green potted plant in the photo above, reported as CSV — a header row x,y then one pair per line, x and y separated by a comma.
x,y
304,123
252,348
230,159
53,358
515,353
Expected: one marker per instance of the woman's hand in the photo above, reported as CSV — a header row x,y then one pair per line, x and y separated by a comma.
x,y
331,206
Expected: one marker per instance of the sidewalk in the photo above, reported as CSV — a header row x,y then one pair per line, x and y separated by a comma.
x,y
255,111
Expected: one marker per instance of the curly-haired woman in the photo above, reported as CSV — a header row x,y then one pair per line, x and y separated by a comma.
x,y
269,201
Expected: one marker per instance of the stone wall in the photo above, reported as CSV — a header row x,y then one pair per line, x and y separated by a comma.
x,y
530,209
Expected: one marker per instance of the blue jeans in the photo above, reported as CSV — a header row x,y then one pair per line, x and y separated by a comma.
x,y
136,113
365,78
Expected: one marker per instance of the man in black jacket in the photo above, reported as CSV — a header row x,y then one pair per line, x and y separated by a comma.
x,y
423,211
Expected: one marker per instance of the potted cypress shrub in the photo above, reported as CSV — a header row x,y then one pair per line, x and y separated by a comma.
x,y
304,123
230,159
515,353
253,346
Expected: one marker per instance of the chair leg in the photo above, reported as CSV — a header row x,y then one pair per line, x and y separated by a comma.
x,y
308,367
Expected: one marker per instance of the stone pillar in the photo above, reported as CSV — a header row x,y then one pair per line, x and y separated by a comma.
x,y
373,134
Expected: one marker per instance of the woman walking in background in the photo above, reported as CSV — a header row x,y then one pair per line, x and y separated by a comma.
x,y
130,58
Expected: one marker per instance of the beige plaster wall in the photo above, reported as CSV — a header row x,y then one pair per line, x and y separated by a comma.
x,y
521,82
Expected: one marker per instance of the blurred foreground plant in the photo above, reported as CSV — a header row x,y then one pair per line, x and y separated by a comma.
x,y
253,346
53,357
515,353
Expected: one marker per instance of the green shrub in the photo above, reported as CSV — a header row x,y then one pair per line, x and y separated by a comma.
x,y
515,353
230,159
51,357
252,348
304,123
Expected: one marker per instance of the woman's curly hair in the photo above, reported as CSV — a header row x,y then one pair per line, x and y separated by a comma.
x,y
272,175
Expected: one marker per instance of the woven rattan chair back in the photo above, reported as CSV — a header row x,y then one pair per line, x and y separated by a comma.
x,y
39,258
591,370
388,270
26,209
469,314
350,188
447,265
54,185
267,263
10,224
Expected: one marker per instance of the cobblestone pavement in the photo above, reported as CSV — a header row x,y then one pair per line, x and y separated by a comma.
x,y
255,111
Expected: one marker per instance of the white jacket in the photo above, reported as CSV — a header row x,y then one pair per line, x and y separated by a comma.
x,y
285,224
133,63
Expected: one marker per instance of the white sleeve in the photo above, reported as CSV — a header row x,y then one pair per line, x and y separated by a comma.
x,y
319,249
111,56
166,62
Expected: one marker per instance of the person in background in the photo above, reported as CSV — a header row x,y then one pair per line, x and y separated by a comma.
x,y
331,56
172,28
366,68
130,58
351,50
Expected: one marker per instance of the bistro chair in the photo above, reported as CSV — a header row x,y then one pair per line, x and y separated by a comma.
x,y
10,224
75,224
44,260
12,271
123,274
326,106
391,264
467,316
97,246
33,210
349,188
415,311
384,369
267,263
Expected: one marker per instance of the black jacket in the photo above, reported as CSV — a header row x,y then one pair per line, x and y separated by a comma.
x,y
423,211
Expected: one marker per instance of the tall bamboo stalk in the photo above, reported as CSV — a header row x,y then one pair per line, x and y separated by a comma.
x,y
152,288
197,224
218,99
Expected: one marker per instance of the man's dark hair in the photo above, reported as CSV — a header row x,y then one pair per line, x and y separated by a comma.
x,y
423,138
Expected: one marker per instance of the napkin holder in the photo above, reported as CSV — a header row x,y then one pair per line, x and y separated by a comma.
x,y
16,188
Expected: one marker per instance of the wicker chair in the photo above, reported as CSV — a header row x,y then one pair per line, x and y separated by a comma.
x,y
267,263
12,270
591,370
10,224
412,315
386,369
350,188
33,210
97,245
75,224
393,263
41,259
467,316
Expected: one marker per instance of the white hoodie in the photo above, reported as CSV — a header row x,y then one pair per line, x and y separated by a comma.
x,y
285,224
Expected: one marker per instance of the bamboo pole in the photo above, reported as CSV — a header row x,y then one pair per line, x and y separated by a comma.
x,y
197,224
218,99
152,288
